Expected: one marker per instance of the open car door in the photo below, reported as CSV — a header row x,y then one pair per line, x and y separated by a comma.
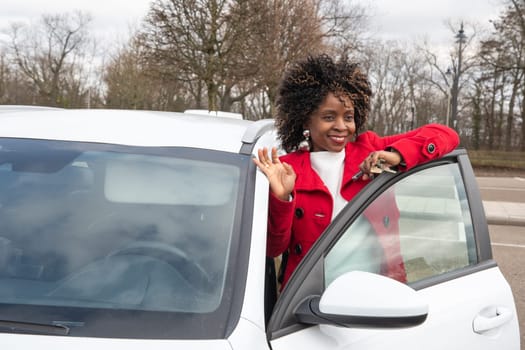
x,y
407,264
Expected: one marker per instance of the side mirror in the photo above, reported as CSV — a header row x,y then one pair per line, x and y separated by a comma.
x,y
363,299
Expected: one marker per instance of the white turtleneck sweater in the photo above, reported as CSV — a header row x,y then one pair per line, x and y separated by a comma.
x,y
329,166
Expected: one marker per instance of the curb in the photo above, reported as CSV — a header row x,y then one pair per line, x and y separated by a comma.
x,y
504,213
505,221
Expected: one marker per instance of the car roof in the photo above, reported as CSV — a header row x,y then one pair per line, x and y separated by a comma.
x,y
130,127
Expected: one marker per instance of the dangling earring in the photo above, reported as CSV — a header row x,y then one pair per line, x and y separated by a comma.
x,y
305,144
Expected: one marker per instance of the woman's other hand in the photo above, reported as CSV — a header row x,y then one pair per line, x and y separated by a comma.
x,y
281,176
389,159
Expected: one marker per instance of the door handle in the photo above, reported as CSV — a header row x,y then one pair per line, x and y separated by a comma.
x,y
496,318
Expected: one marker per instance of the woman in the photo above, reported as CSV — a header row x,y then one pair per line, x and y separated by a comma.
x,y
322,106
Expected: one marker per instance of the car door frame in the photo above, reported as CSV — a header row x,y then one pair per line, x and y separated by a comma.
x,y
308,279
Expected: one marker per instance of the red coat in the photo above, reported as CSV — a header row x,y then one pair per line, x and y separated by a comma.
x,y
296,225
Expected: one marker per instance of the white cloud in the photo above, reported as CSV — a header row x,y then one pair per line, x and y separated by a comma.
x,y
412,19
109,16
403,20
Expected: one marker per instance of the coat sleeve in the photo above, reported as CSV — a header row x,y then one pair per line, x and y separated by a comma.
x,y
422,144
280,218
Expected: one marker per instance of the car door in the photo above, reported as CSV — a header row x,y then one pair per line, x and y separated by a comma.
x,y
408,265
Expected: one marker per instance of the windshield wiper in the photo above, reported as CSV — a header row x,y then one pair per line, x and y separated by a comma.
x,y
32,328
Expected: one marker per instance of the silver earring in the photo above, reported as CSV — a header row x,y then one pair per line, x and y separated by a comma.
x,y
305,144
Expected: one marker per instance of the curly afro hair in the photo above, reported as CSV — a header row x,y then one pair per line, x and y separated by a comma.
x,y
304,87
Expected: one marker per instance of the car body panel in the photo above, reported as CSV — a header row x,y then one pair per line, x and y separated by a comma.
x,y
448,325
456,299
248,335
28,341
138,128
253,305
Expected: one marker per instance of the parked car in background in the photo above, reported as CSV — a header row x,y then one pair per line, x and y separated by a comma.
x,y
135,229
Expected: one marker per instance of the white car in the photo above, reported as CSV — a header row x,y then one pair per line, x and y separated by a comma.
x,y
147,230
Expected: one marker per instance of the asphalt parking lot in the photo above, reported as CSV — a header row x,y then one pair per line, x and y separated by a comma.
x,y
508,247
504,201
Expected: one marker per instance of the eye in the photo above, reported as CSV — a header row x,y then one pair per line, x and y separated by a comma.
x,y
349,118
328,117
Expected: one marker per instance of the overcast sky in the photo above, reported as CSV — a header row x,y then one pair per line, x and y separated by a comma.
x,y
415,19
404,20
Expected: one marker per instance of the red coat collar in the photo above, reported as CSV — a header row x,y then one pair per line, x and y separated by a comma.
x,y
309,180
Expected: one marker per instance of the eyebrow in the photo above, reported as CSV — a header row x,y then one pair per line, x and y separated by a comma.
x,y
331,110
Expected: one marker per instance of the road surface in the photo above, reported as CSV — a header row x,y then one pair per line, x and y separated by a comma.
x,y
508,242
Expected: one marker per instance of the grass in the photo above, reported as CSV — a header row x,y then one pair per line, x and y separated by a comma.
x,y
501,161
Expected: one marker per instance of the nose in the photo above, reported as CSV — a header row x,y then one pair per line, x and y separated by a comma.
x,y
339,123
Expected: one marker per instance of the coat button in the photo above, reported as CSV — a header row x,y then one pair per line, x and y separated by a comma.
x,y
299,213
431,148
386,221
298,249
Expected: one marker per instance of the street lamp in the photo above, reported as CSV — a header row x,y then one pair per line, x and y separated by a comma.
x,y
448,108
413,112
460,39
449,97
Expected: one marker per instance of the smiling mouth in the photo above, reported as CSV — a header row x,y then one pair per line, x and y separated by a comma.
x,y
338,139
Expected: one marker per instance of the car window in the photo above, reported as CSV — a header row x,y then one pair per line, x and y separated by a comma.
x,y
168,180
418,228
116,229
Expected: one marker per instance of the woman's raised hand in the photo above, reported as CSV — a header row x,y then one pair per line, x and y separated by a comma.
x,y
281,176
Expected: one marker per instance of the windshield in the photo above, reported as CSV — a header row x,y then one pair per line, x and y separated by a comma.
x,y
121,235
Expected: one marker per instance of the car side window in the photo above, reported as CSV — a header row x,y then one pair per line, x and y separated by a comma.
x,y
418,228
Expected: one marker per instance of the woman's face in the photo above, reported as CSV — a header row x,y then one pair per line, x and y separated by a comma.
x,y
332,125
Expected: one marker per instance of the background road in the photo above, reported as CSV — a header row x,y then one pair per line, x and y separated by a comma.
x,y
508,248
506,189
508,242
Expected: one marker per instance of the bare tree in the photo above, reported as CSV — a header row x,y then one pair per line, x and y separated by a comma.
x,y
5,78
401,98
502,63
47,51
452,77
344,25
283,31
226,50
130,85
199,43
14,88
